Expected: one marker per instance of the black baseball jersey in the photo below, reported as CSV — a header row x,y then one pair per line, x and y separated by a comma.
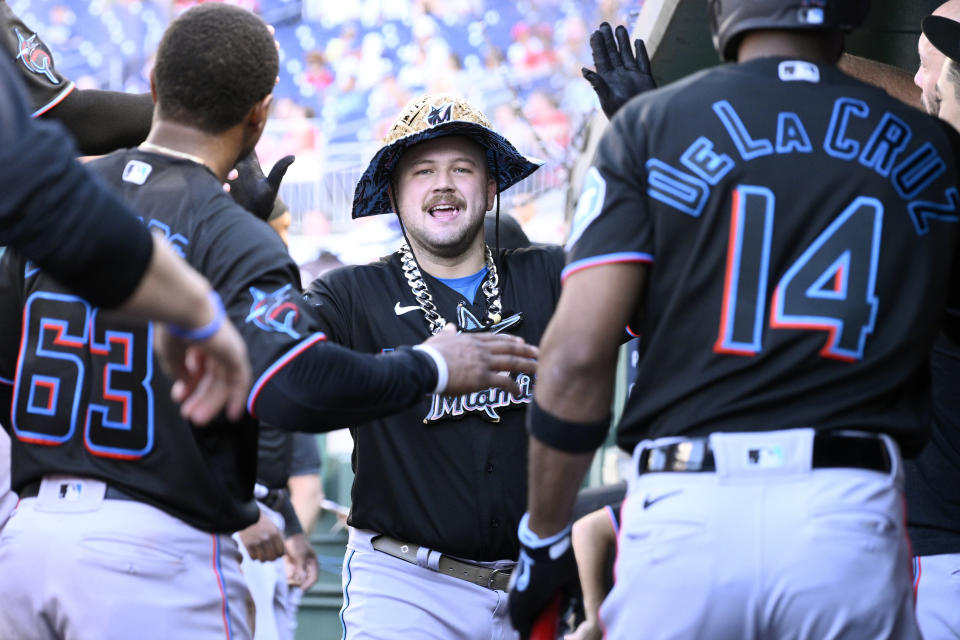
x,y
88,397
55,213
450,472
933,477
31,56
800,228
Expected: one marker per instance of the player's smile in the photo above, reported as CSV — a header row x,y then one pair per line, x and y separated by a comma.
x,y
446,209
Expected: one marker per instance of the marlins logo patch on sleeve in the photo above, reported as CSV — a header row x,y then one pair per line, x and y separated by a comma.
x,y
589,206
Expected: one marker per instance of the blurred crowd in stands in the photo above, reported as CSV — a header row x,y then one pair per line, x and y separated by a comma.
x,y
348,67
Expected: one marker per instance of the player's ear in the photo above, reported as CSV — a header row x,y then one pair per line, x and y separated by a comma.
x,y
259,112
153,86
491,193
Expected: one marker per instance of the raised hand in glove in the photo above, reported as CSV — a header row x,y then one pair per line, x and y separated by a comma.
x,y
620,73
251,189
546,568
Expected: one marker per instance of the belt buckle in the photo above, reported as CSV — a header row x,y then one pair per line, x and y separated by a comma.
x,y
493,577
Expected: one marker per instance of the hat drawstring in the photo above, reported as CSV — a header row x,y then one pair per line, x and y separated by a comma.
x,y
403,229
496,229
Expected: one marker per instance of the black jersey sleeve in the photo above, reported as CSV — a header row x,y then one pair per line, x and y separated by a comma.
x,y
611,223
328,307
23,47
57,213
11,292
320,386
303,380
102,121
274,453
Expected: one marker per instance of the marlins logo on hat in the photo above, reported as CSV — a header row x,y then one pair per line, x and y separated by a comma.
x,y
428,117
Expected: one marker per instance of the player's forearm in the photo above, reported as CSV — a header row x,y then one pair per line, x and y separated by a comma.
x,y
103,121
592,539
554,477
895,81
326,386
306,494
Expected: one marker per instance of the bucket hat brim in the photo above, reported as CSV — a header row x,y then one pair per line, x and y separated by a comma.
x,y
507,165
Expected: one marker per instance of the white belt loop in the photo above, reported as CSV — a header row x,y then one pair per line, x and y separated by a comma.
x,y
428,559
423,557
433,560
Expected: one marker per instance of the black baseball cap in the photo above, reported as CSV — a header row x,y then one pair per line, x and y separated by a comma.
x,y
944,34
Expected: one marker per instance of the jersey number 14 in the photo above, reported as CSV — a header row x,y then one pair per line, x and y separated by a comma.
x,y
830,287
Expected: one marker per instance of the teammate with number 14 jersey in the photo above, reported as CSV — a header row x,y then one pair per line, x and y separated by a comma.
x,y
802,308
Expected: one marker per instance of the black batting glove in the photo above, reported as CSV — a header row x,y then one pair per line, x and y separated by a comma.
x,y
620,73
546,568
252,190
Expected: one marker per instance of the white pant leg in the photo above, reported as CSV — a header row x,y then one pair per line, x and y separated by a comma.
x,y
763,553
8,499
938,596
267,582
117,570
386,598
294,598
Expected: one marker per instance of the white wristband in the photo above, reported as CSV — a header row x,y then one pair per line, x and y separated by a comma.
x,y
443,372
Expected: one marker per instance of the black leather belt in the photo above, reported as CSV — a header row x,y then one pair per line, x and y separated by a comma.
x,y
488,577
830,450
32,490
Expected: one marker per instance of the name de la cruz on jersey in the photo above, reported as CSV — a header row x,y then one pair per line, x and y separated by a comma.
x,y
484,402
887,150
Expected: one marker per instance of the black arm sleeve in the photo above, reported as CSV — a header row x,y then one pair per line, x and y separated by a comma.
x,y
57,213
103,121
274,452
327,386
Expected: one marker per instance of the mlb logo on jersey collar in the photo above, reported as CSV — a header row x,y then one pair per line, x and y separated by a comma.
x,y
136,172
798,70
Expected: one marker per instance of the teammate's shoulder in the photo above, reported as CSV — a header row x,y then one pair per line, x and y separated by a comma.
x,y
104,163
679,89
548,258
349,277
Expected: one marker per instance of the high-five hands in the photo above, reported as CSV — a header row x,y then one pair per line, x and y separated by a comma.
x,y
621,74
251,189
478,361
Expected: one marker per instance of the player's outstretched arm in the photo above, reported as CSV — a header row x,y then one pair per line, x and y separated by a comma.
x,y
476,361
320,386
103,121
621,74
593,537
568,420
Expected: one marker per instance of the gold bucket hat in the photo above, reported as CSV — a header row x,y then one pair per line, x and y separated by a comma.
x,y
428,117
